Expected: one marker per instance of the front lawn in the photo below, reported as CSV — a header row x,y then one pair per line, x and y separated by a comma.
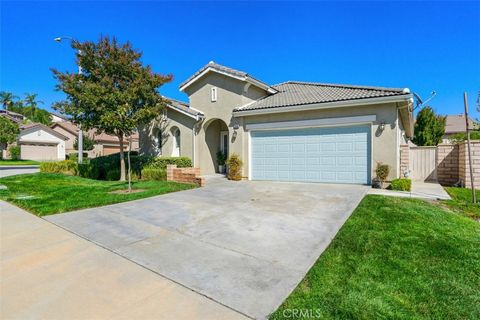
x,y
462,202
395,258
48,193
18,162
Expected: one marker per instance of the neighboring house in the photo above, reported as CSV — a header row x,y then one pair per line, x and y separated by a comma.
x,y
15,117
58,117
456,123
41,143
293,131
104,144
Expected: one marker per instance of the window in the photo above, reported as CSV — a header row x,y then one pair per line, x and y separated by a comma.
x,y
214,94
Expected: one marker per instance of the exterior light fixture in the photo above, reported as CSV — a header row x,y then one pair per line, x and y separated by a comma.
x,y
382,125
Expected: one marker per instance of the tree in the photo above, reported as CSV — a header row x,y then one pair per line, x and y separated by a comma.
x,y
31,102
7,99
115,92
429,128
88,143
8,131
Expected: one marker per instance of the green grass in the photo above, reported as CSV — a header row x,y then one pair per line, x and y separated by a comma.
x,y
395,258
462,202
18,162
55,193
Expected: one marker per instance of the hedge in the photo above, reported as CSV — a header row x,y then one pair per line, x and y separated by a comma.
x,y
108,167
66,167
149,173
162,162
401,184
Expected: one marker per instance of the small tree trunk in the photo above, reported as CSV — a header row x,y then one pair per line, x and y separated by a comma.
x,y
129,166
122,159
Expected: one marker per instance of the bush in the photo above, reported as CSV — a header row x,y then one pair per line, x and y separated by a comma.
x,y
221,158
14,152
112,162
401,184
66,167
74,156
382,171
234,167
162,162
87,170
112,175
149,173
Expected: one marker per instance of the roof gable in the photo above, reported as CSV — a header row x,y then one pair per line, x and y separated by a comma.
x,y
26,129
229,72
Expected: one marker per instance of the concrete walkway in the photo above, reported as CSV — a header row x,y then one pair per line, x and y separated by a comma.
x,y
6,171
420,190
49,273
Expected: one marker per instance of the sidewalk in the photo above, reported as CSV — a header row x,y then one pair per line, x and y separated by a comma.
x,y
421,190
49,273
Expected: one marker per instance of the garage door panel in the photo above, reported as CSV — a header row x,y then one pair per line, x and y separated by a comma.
x,y
337,154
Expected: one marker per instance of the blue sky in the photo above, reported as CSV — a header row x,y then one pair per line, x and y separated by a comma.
x,y
421,45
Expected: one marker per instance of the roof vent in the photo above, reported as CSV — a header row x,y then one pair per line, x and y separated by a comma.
x,y
211,62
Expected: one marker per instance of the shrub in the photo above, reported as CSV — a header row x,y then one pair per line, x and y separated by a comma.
x,y
162,162
112,175
149,173
74,156
112,162
401,184
234,167
382,171
66,167
14,152
88,170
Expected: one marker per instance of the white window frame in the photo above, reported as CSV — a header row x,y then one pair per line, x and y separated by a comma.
x,y
213,94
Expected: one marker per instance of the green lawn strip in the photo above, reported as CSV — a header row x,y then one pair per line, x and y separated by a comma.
x,y
395,258
462,202
55,193
18,162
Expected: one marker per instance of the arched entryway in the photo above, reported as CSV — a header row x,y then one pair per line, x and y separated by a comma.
x,y
175,142
217,140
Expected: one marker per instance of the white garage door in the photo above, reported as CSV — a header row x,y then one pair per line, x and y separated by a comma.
x,y
39,152
335,154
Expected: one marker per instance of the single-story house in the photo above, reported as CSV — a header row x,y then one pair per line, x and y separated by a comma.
x,y
41,143
455,123
292,131
104,144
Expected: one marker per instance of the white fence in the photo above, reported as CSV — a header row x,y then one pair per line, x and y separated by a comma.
x,y
423,165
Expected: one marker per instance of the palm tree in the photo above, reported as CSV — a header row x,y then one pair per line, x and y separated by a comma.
x,y
32,102
6,99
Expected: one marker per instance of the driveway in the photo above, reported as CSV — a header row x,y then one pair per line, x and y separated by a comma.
x,y
49,273
244,244
6,171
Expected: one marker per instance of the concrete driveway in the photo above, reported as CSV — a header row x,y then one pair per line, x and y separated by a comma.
x,y
6,171
244,244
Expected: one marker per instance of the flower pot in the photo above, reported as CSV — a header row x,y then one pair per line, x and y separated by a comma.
x,y
221,168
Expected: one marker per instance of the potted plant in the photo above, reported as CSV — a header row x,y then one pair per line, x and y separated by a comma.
x,y
221,158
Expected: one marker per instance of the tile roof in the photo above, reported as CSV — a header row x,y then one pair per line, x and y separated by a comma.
x,y
92,133
182,106
456,123
294,93
224,69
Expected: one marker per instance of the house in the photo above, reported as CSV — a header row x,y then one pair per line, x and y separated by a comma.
x,y
13,116
104,144
58,117
292,131
41,143
455,123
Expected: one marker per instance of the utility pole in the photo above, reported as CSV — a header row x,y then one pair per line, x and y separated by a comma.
x,y
474,197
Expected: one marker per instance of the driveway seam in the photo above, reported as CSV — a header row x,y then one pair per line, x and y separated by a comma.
x,y
144,267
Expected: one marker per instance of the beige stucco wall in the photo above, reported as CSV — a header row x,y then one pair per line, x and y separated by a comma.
x,y
68,143
385,144
231,93
148,135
